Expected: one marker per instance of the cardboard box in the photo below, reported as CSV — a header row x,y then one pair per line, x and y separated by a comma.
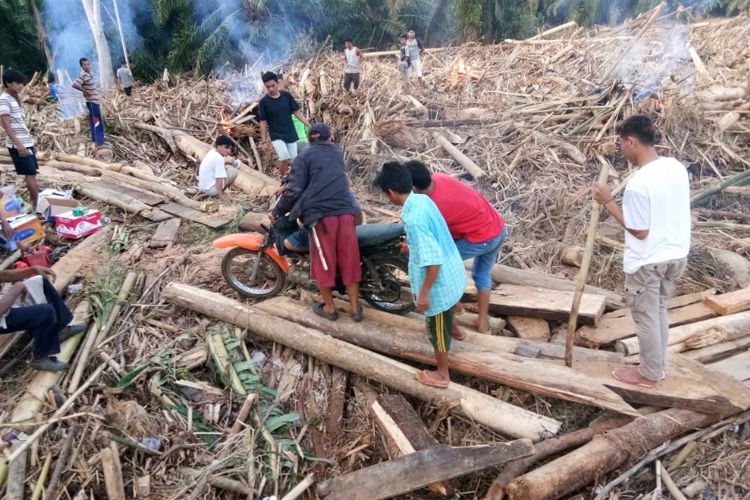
x,y
52,206
26,228
10,205
75,227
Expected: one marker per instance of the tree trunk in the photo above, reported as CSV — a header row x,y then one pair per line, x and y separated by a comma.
x,y
482,408
40,34
605,453
93,10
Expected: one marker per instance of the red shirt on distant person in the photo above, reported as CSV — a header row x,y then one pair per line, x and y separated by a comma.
x,y
469,216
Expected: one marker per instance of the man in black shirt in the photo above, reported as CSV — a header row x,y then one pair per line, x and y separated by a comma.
x,y
275,112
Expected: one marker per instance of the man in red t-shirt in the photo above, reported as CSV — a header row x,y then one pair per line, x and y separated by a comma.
x,y
477,228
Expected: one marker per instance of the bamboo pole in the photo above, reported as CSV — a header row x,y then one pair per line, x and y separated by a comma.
x,y
583,273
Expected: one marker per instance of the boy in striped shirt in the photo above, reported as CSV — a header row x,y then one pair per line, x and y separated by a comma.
x,y
436,271
18,139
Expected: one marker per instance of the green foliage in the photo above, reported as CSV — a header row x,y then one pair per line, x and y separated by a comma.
x,y
19,43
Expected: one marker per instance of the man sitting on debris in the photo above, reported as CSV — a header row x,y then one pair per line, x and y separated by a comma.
x,y
87,84
45,322
318,194
436,271
18,139
213,176
656,216
275,112
477,228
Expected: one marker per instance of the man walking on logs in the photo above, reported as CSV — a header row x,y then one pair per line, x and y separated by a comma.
x,y
45,322
656,216
477,228
275,112
436,271
318,194
353,59
18,139
87,84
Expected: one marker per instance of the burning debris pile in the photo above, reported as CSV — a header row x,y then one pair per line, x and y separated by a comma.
x,y
182,391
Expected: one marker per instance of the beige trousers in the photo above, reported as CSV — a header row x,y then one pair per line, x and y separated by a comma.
x,y
646,292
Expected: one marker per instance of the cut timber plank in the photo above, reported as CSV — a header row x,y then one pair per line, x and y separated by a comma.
x,y
673,303
165,233
542,303
405,474
529,328
729,303
214,220
484,409
402,427
718,351
613,328
737,367
147,197
122,201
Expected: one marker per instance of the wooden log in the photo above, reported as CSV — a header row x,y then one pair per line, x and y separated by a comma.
x,y
214,220
463,160
718,351
737,366
613,326
729,303
553,446
163,189
165,233
403,428
254,221
733,325
604,453
529,328
572,256
405,474
540,303
126,203
484,409
502,274
538,376
91,162
112,468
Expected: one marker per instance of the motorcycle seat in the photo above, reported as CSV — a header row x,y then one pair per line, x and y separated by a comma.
x,y
369,235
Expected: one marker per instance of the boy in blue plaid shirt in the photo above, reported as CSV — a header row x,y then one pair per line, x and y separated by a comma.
x,y
436,271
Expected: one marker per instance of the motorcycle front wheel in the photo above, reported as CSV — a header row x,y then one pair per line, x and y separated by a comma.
x,y
393,294
239,266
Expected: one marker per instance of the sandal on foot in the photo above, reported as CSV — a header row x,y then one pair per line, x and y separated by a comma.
x,y
318,309
627,375
425,377
357,315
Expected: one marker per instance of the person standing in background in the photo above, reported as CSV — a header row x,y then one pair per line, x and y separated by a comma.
x,y
414,50
353,58
403,59
87,84
125,79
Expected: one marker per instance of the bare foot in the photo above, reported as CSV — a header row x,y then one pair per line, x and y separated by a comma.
x,y
483,326
458,333
631,375
433,379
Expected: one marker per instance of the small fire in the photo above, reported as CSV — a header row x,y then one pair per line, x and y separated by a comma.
x,y
224,125
460,70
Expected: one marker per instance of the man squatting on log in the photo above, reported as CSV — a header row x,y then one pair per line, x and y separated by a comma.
x,y
656,216
45,322
436,270
213,176
275,112
318,194
477,228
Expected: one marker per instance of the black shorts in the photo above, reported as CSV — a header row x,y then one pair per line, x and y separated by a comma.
x,y
351,79
25,165
128,91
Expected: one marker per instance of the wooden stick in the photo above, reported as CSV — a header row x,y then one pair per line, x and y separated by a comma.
x,y
113,472
125,289
669,483
298,490
583,273
39,487
62,461
60,411
83,358
466,162
243,413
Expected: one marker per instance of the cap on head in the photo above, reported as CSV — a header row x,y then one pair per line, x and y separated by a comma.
x,y
224,140
320,131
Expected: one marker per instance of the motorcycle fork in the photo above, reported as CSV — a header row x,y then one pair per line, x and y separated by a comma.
x,y
256,265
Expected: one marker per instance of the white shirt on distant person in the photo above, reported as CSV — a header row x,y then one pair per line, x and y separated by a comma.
x,y
212,168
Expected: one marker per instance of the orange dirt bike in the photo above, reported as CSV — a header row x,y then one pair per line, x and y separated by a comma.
x,y
255,268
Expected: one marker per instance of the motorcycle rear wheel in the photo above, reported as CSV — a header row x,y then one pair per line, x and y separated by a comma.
x,y
237,267
397,297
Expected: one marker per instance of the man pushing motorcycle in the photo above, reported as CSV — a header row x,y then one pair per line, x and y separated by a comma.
x,y
317,193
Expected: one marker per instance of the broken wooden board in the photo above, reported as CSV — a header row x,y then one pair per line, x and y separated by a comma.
x,y
737,366
215,221
147,197
689,385
613,328
165,233
729,303
542,303
103,193
529,328
416,470
405,431
673,303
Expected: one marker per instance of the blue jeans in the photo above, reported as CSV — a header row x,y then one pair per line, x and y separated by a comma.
x,y
484,255
96,122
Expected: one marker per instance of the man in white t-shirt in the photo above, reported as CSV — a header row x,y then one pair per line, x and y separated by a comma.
x,y
213,176
656,216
